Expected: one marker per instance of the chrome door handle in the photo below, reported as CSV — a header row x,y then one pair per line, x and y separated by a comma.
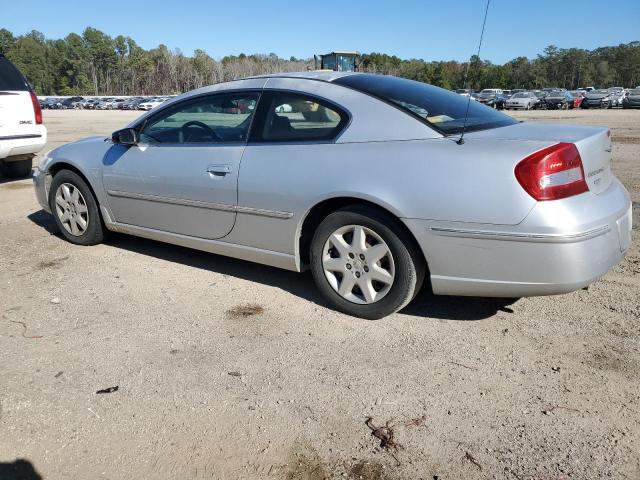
x,y
219,170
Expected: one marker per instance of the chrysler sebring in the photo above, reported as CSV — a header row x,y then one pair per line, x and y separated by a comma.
x,y
375,183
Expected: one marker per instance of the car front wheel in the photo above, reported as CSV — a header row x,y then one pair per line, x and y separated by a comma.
x,y
364,263
75,209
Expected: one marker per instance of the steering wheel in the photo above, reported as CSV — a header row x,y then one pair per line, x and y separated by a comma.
x,y
203,126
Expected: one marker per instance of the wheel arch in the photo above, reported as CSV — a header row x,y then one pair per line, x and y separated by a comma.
x,y
316,214
54,169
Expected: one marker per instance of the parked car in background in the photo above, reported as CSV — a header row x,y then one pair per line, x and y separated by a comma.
x,y
507,94
597,99
151,104
577,97
540,94
562,100
55,104
90,104
632,100
466,92
521,101
492,97
22,133
102,104
70,102
519,209
131,103
113,103
616,98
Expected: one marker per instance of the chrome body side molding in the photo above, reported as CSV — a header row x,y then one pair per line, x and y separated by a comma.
x,y
199,204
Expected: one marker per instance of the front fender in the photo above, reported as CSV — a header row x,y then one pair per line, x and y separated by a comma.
x,y
86,157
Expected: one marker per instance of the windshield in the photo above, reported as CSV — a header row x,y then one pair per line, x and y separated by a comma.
x,y
443,110
520,95
487,91
634,91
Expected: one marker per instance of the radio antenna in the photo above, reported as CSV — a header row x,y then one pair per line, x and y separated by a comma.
x,y
460,141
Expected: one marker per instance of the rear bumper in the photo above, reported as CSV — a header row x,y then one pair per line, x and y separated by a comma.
x,y
560,247
28,143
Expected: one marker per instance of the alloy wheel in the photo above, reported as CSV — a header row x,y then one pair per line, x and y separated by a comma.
x,y
71,209
358,264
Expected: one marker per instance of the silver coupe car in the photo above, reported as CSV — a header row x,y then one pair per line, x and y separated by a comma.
x,y
367,180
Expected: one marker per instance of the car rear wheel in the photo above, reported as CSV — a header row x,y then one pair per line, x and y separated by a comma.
x,y
75,209
364,264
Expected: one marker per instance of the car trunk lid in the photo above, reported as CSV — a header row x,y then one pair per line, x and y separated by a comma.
x,y
593,143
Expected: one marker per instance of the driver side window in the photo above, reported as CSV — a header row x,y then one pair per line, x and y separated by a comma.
x,y
223,118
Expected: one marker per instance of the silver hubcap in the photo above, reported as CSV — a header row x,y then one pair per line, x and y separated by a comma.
x,y
72,209
358,264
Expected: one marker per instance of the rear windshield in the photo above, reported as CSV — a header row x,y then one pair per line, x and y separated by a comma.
x,y
10,77
443,110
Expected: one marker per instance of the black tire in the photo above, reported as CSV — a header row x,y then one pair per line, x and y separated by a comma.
x,y
95,232
410,266
15,168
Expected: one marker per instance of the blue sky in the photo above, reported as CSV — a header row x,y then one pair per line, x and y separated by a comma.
x,y
432,30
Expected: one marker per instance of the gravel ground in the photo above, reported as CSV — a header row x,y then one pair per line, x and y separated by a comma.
x,y
228,369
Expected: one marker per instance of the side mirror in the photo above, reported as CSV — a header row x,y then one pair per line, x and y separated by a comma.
x,y
126,136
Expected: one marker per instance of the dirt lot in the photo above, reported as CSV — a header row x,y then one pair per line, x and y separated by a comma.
x,y
538,388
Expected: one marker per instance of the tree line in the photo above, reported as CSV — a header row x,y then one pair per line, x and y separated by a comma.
x,y
96,64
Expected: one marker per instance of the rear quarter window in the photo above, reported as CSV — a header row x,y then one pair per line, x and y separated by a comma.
x,y
10,77
443,110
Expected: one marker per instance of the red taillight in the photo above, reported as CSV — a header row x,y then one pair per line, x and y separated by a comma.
x,y
552,173
37,111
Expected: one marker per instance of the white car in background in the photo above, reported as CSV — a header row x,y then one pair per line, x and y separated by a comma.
x,y
521,100
22,133
151,104
465,92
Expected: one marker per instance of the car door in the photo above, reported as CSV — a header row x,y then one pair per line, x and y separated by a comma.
x,y
182,175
